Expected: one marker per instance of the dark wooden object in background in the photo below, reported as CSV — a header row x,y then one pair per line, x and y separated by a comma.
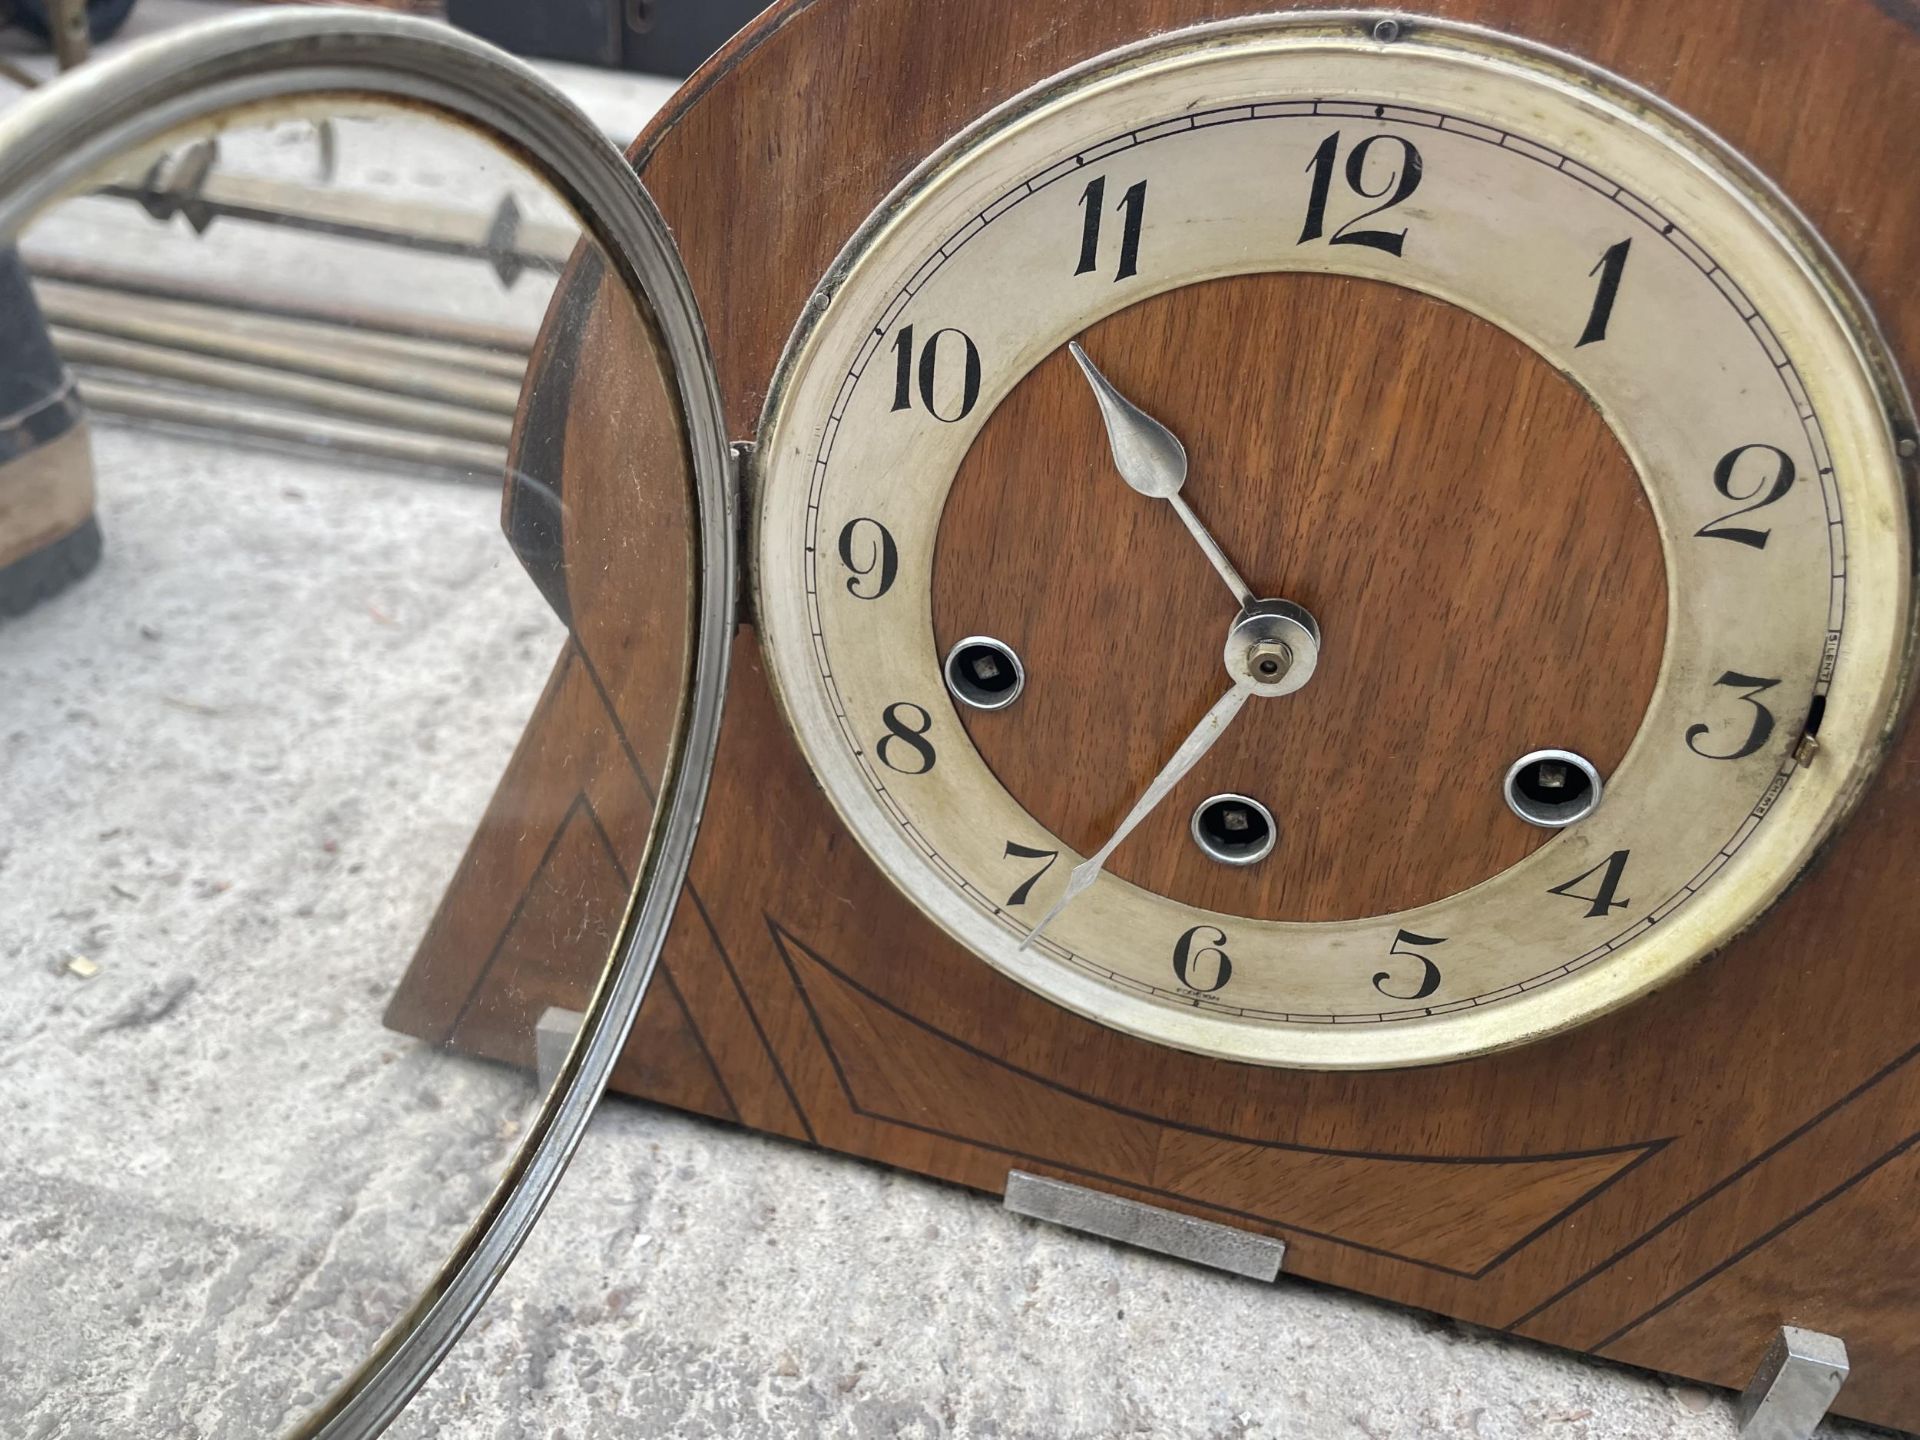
x,y
1664,1186
666,37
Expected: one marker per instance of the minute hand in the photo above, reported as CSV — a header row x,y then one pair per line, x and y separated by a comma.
x,y
1151,459
1212,725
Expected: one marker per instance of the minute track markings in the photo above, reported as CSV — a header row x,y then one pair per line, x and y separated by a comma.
x,y
922,276
1639,211
1430,119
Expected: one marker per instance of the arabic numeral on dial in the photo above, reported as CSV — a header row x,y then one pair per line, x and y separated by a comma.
x,y
1601,901
868,552
1758,733
1399,163
1199,952
910,737
927,372
1429,972
1027,852
1775,489
1133,206
1609,269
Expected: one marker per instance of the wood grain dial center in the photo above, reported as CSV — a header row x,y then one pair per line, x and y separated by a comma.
x,y
1461,520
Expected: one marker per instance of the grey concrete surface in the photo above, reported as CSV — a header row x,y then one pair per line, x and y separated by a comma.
x,y
236,767
234,764
693,1281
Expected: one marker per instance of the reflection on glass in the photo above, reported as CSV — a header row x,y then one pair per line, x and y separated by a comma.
x,y
250,1062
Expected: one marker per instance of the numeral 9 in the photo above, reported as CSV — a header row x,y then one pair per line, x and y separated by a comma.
x,y
882,555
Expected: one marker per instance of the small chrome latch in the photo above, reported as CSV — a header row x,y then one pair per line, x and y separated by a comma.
x,y
740,461
1794,1386
553,1036
1204,1242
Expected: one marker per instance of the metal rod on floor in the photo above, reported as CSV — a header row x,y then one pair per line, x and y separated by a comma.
x,y
72,38
505,239
498,338
18,74
423,381
327,396
510,365
474,461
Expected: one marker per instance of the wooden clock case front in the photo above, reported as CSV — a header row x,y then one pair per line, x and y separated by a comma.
x,y
1665,1186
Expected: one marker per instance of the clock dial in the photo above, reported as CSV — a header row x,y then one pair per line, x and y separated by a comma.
x,y
1457,582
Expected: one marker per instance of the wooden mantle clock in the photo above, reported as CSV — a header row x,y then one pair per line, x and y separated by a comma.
x,y
1327,620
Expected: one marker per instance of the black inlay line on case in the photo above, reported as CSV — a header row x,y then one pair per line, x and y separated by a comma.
x,y
1705,1195
1745,1250
699,904
666,974
782,937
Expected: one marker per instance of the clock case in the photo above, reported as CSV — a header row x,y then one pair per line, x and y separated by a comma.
x,y
1665,1186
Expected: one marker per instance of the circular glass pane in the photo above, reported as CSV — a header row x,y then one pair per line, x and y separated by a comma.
x,y
314,691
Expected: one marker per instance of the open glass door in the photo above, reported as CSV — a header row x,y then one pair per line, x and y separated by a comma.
x,y
291,302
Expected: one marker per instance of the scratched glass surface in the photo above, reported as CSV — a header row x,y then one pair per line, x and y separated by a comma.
x,y
258,1077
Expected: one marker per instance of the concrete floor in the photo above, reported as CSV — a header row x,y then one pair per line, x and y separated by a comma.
x,y
236,767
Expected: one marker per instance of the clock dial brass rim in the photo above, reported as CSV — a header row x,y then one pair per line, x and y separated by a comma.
x,y
1441,1032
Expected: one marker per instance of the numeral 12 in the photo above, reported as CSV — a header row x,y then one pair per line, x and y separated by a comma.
x,y
1404,180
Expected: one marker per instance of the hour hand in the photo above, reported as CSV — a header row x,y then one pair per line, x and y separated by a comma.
x,y
1151,459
